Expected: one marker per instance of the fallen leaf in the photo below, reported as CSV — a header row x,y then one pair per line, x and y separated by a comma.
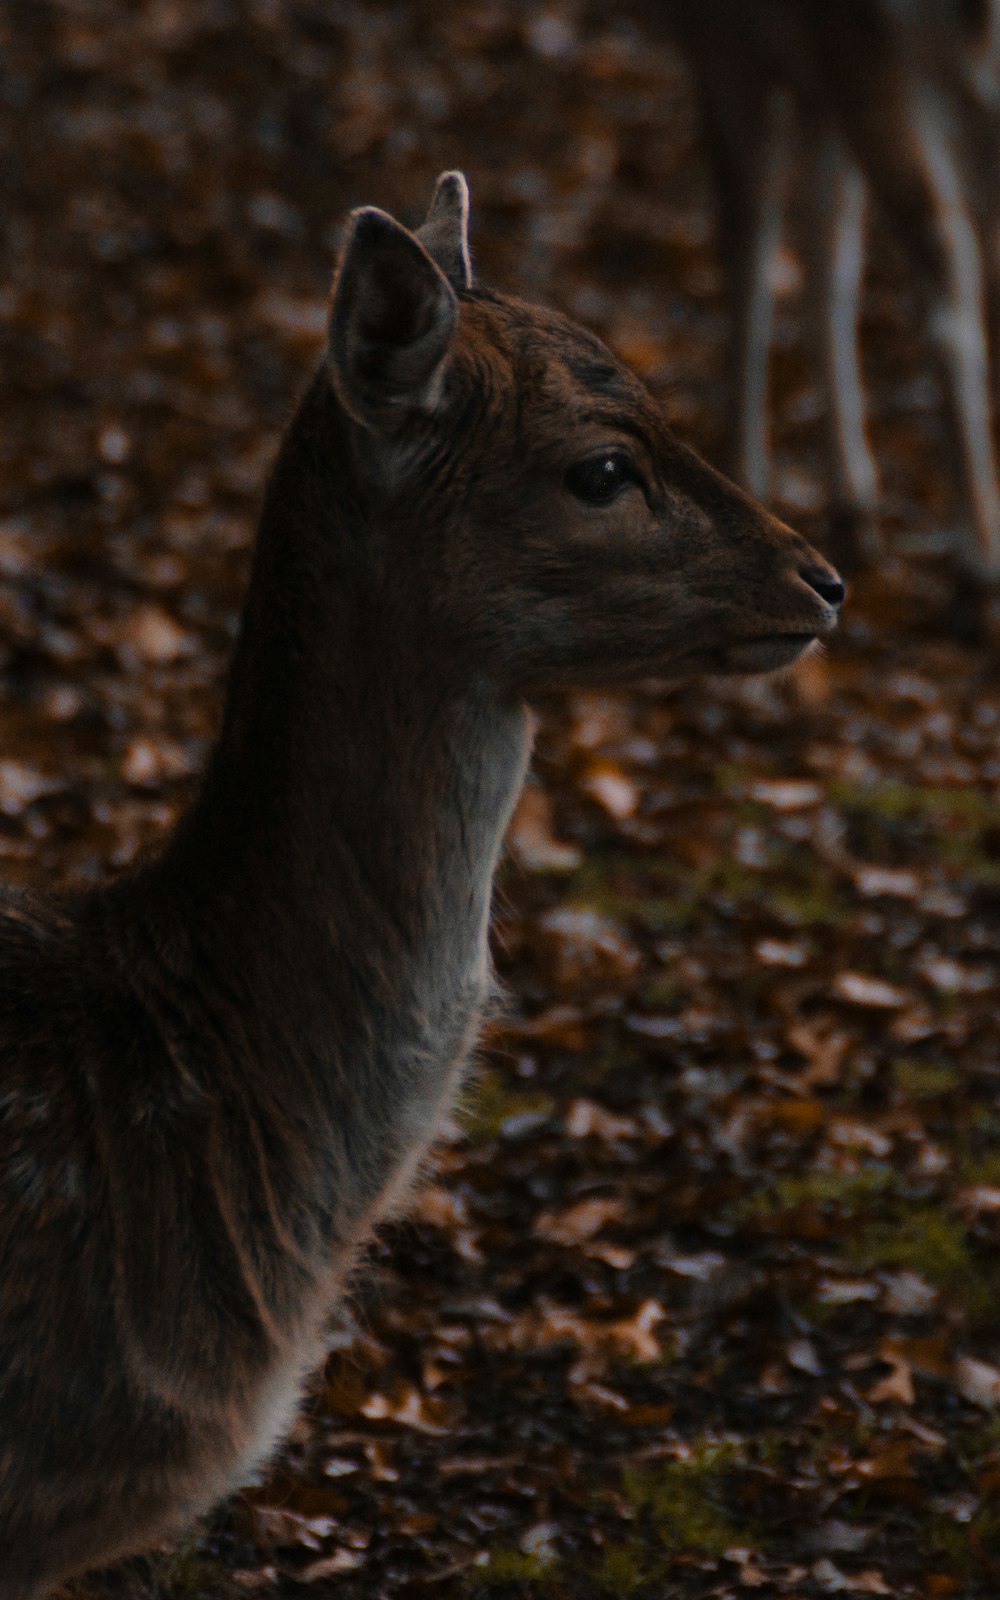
x,y
788,794
908,1295
978,1382
531,836
152,635
612,788
579,1222
585,1119
872,993
328,1566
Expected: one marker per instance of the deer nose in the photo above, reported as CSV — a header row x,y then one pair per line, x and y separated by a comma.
x,y
826,583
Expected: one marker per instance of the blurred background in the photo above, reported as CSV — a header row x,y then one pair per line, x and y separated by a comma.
x,y
702,1299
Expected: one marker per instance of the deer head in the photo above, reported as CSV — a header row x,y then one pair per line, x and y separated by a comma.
x,y
530,484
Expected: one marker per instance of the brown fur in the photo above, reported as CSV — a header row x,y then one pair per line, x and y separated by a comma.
x,y
219,1072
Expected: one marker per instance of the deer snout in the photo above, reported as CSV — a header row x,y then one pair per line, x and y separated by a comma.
x,y
827,583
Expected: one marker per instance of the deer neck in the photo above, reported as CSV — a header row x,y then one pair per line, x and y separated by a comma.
x,y
354,805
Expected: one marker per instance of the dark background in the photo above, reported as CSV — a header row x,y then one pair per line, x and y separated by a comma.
x,y
703,1297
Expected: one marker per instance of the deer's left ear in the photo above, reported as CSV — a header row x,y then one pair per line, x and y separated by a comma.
x,y
444,233
392,321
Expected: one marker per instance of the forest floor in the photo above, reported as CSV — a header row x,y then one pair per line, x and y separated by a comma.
x,y
703,1298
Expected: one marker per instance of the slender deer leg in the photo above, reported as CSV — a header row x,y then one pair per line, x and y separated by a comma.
x,y
753,247
747,133
752,298
837,201
958,324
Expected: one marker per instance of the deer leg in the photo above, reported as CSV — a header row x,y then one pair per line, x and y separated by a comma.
x,y
837,202
951,245
755,238
746,138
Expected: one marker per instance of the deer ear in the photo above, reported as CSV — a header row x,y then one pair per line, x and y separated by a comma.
x,y
391,323
444,233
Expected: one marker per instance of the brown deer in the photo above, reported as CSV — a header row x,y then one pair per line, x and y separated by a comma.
x,y
219,1072
894,99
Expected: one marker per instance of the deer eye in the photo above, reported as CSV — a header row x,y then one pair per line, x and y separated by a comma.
x,y
600,479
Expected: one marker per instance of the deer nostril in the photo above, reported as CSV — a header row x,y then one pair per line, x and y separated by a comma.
x,y
826,583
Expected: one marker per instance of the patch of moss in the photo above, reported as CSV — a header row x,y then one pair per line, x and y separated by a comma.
x,y
966,1549
491,1100
609,885
183,1571
735,881
847,1192
769,1449
986,1122
925,1080
508,1566
840,1432
685,1500
663,993
622,1569
807,902
893,799
979,1171
982,867
926,1240
664,915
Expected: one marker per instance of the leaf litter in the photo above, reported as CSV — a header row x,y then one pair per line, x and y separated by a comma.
x,y
703,1298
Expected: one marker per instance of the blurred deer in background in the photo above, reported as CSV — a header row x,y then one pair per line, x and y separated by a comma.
x,y
218,1073
896,100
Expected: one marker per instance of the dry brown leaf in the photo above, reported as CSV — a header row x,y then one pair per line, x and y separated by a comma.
x,y
581,1221
585,1119
786,794
411,1409
152,635
978,1382
531,835
872,993
615,792
582,948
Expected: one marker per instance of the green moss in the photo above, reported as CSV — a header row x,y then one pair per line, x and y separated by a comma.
x,y
508,1566
985,1122
983,868
183,1571
843,1432
664,992
734,777
925,1080
894,799
735,881
954,823
769,1449
847,1192
622,1569
966,1549
685,1500
665,915
926,1240
491,1100
979,1170
807,904
609,884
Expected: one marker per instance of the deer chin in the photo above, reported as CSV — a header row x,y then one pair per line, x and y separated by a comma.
x,y
763,652
766,653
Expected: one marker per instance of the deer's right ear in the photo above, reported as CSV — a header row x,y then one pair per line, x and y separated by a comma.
x,y
391,323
